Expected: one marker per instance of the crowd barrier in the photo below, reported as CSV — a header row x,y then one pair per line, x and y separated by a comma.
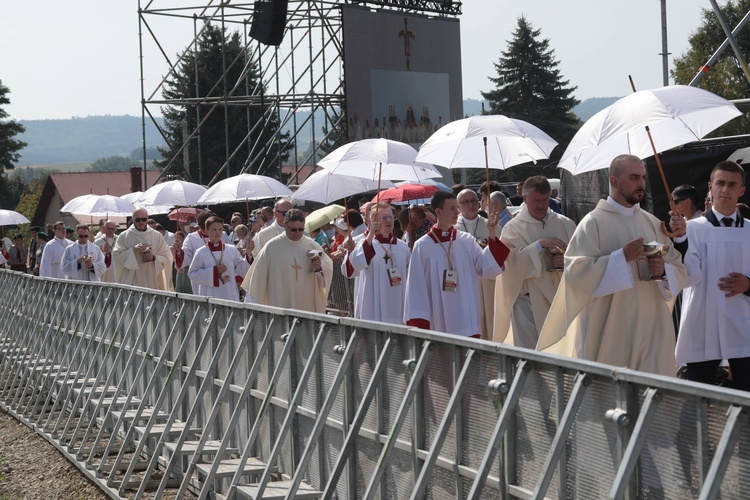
x,y
153,393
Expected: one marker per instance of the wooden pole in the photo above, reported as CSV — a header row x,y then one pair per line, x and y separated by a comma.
x,y
672,205
487,172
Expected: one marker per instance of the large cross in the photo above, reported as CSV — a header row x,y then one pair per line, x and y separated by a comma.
x,y
296,268
406,34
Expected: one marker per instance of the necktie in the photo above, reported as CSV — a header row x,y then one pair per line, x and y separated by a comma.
x,y
727,221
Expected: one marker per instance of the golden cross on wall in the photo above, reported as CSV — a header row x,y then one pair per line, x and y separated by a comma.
x,y
406,34
296,268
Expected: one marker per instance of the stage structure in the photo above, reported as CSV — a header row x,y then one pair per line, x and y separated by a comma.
x,y
297,48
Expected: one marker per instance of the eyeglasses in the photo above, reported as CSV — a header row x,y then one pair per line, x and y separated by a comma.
x,y
282,212
386,218
140,219
469,202
83,235
296,229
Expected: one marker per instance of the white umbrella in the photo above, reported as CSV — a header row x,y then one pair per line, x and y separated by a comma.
x,y
12,218
326,187
99,206
132,197
172,194
377,159
74,203
675,115
509,142
155,209
243,187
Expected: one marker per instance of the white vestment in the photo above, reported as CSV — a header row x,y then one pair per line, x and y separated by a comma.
x,y
376,299
130,269
602,310
265,235
713,326
478,229
524,292
460,311
348,270
282,276
192,243
109,274
204,274
51,265
75,271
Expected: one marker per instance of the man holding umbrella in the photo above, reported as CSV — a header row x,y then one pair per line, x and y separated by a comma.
x,y
604,309
716,304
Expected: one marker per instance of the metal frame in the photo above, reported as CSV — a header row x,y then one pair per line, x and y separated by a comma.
x,y
305,73
151,391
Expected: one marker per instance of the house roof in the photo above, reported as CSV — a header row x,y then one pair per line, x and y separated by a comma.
x,y
71,184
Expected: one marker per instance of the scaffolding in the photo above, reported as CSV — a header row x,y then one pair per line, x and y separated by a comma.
x,y
304,76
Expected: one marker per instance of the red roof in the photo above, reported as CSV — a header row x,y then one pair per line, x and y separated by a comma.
x,y
72,184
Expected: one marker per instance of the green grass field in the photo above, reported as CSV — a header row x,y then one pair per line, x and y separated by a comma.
x,y
61,167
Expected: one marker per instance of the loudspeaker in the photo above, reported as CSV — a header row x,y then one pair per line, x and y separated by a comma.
x,y
269,21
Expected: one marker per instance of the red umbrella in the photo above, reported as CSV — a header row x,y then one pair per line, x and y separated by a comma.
x,y
407,192
186,214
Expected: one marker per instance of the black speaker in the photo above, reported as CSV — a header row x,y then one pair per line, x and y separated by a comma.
x,y
269,21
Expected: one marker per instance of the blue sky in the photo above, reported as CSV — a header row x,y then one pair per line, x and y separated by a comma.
x,y
64,59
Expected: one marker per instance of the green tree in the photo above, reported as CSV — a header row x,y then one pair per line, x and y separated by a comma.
x,y
30,198
112,164
529,86
9,145
725,78
9,152
241,115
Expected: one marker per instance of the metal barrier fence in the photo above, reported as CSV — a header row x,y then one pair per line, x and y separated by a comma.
x,y
150,393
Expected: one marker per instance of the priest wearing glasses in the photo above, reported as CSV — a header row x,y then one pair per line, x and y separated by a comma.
x,y
142,257
382,261
291,271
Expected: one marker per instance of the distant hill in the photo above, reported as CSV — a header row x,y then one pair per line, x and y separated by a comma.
x,y
84,140
585,110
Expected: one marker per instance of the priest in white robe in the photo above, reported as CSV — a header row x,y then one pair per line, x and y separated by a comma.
x,y
382,261
106,242
51,263
292,271
442,289
280,209
716,304
469,221
142,258
217,268
537,237
83,260
603,311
